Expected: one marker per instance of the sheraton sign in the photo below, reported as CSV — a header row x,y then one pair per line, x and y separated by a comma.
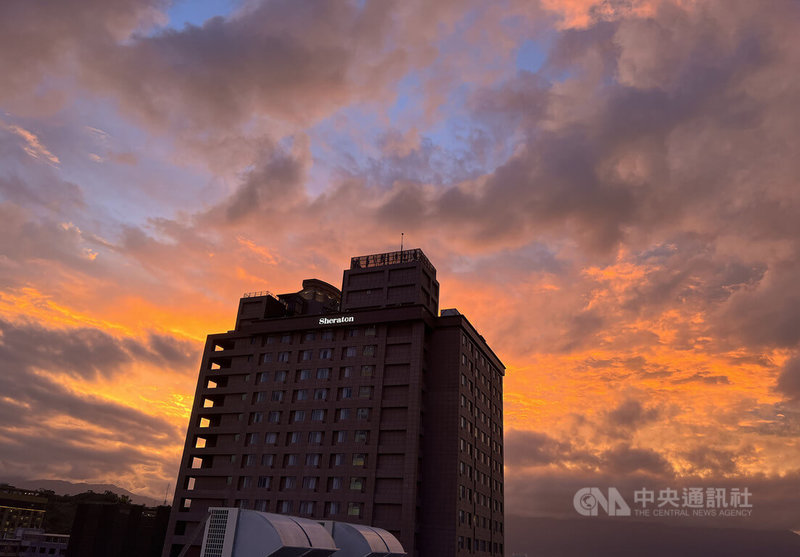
x,y
336,320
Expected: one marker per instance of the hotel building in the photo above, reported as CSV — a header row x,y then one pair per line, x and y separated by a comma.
x,y
364,405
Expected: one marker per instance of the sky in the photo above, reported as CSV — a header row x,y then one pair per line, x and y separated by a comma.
x,y
608,191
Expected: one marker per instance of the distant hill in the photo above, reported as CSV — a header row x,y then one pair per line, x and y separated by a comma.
x,y
61,487
550,537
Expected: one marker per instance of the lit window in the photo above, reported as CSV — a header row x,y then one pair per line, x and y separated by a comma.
x,y
367,371
359,459
354,509
361,436
357,484
364,391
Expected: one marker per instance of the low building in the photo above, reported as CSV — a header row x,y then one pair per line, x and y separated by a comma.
x,y
20,508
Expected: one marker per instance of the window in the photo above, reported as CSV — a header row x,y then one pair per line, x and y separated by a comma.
x,y
321,394
345,392
266,358
283,356
262,377
260,505
310,482
354,509
271,438
290,460
315,437
251,439
370,350
344,414
357,484
267,460
304,374
286,339
293,438
256,417
325,353
359,459
305,355
298,416
288,482
318,415
365,391
285,507
327,334
309,336
334,483
313,459
264,482
323,373
346,372
361,436
332,508
249,460
362,413
245,482
349,352
352,332
370,331
301,394
337,459
367,371
280,376
307,507
340,437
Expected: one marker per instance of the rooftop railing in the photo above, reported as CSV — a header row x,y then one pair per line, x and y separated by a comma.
x,y
258,294
391,258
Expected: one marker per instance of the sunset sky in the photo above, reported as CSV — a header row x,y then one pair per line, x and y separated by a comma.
x,y
608,190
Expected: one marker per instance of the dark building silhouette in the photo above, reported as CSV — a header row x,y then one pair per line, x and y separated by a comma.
x,y
362,405
118,529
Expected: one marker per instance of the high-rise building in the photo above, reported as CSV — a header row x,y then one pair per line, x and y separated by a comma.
x,y
363,405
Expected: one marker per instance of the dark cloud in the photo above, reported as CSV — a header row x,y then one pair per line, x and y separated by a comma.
x,y
630,414
789,378
84,352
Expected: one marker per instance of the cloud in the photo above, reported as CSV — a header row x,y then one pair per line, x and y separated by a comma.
x,y
789,379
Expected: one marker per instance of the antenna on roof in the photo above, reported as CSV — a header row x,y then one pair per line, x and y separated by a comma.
x,y
401,242
165,493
